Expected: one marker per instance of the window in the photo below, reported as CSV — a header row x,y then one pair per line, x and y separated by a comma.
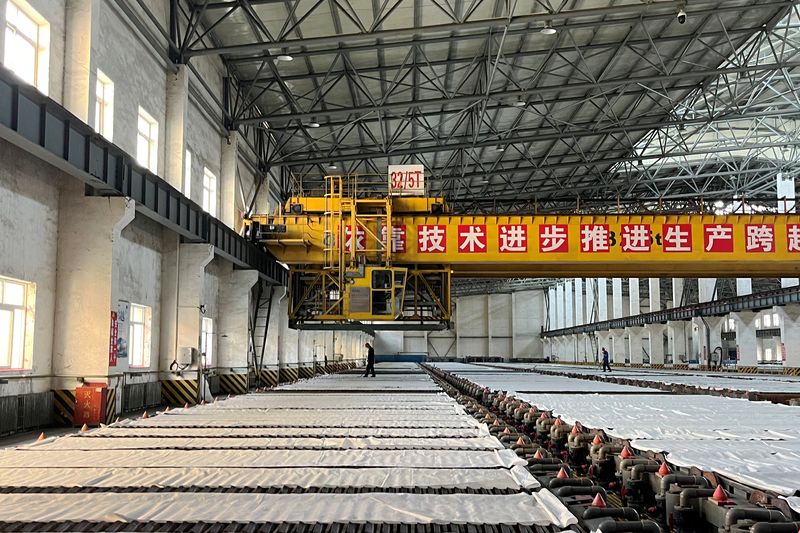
x,y
104,106
209,192
767,320
207,340
187,175
768,354
139,342
27,43
758,323
147,141
16,323
775,322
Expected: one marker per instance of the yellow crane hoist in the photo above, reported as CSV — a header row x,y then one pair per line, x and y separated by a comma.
x,y
388,260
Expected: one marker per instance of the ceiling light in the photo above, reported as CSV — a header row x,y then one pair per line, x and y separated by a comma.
x,y
284,57
500,149
719,204
520,103
313,124
548,29
331,166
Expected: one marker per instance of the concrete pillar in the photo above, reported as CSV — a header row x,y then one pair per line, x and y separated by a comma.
x,y
591,287
656,343
86,285
677,340
633,297
709,337
616,297
582,342
635,345
560,318
705,289
677,291
234,315
654,292
789,316
182,293
616,348
744,286
603,341
176,121
227,201
746,340
551,308
79,72
602,300
569,312
579,318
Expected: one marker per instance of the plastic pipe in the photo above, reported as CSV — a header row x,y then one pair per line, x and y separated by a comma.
x,y
682,479
610,526
691,493
574,490
626,513
638,470
571,482
775,527
759,515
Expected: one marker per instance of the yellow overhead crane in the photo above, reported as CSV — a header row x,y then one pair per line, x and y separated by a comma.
x,y
400,277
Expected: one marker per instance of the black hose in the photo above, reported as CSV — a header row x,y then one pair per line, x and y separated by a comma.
x,y
570,482
626,513
687,494
575,490
610,526
754,513
775,527
682,479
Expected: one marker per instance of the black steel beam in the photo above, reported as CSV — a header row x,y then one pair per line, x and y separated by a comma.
x,y
44,128
750,302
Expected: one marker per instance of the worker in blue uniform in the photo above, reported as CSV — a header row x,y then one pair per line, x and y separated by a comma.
x,y
606,365
370,360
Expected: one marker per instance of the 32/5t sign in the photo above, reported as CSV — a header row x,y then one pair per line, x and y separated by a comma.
x,y
407,179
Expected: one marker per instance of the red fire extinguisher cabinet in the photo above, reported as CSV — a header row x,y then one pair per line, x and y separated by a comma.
x,y
90,404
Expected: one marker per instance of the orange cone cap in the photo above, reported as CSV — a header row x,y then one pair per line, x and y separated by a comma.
x,y
598,501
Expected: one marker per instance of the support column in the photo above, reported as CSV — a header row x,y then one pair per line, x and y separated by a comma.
x,y
790,337
656,344
551,308
746,340
677,291
79,73
591,287
705,289
182,294
86,285
616,350
579,317
709,331
635,345
560,317
654,293
677,341
176,120
634,303
569,312
602,300
233,324
744,286
227,201
616,297
603,341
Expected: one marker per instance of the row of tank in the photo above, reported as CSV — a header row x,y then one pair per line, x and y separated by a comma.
x,y
607,484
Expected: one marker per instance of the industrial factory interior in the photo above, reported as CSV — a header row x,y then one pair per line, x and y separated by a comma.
x,y
400,266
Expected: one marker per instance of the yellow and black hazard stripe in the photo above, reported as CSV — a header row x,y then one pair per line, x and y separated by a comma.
x,y
321,369
306,372
792,371
288,375
179,391
680,366
64,404
233,383
637,365
656,365
747,369
269,378
111,405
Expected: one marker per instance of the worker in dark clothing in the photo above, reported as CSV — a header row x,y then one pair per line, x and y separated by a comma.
x,y
370,360
606,366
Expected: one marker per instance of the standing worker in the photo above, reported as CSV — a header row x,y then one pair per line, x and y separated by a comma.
x,y
370,360
606,366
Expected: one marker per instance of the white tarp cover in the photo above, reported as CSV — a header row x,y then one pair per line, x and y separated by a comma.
x,y
757,443
124,429
529,381
541,508
28,457
177,477
703,380
370,443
